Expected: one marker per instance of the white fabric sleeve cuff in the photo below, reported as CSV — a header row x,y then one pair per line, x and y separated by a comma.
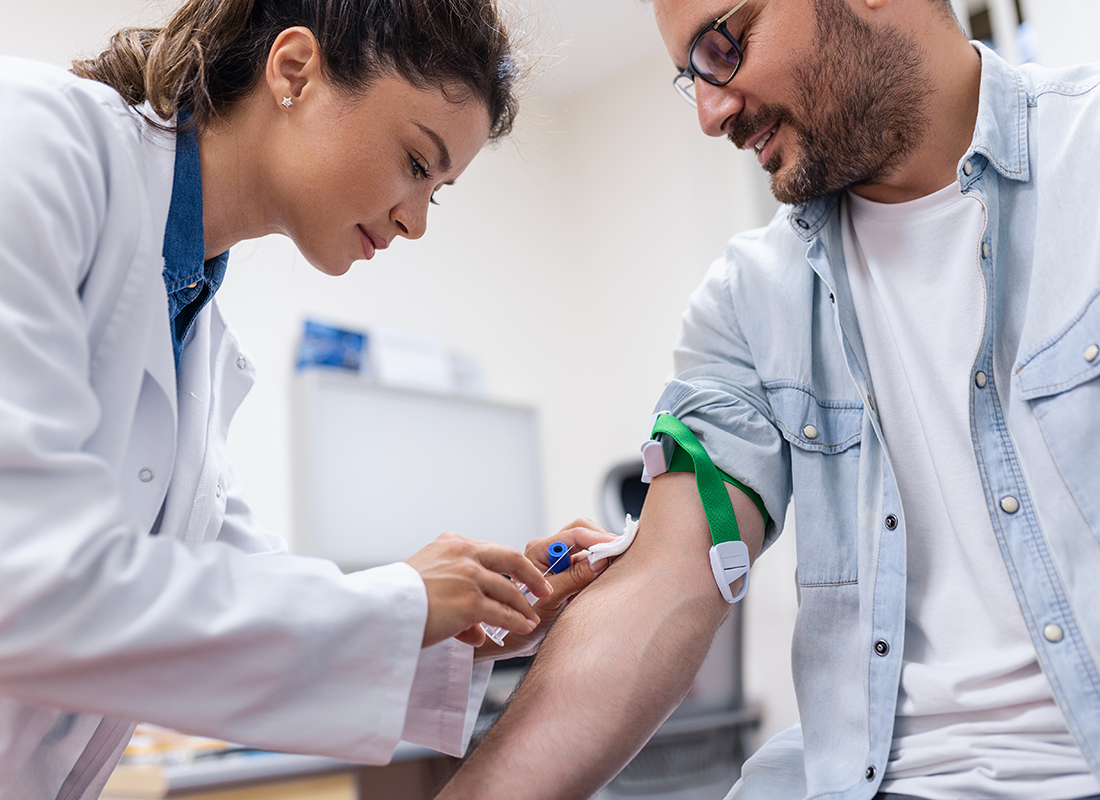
x,y
446,695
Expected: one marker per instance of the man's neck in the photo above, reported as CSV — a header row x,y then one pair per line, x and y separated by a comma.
x,y
953,112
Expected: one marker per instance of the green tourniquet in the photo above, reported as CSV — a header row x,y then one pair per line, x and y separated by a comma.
x,y
681,462
689,456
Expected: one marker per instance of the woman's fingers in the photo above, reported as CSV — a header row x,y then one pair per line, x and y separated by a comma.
x,y
464,584
509,561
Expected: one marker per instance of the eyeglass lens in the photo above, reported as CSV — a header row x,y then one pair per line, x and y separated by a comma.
x,y
714,57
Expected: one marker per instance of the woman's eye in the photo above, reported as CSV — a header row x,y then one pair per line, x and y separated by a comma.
x,y
418,168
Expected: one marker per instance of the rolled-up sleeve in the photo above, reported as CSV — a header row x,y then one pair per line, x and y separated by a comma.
x,y
718,394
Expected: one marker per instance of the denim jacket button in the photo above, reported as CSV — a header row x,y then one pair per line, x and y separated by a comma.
x,y
979,380
810,432
1091,352
1053,633
985,250
891,522
968,167
1010,504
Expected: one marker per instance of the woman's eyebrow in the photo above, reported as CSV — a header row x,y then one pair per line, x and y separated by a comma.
x,y
444,153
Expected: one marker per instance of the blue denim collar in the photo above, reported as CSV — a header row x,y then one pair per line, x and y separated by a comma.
x,y
190,279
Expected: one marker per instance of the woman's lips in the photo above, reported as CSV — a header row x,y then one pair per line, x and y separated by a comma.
x,y
371,242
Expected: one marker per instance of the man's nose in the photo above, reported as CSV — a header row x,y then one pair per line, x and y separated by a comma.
x,y
717,106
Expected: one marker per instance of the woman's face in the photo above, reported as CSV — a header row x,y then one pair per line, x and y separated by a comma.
x,y
351,175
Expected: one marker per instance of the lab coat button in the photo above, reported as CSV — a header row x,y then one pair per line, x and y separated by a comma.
x,y
882,647
870,773
968,167
1053,633
985,250
145,475
1091,352
891,522
979,380
810,432
242,362
1010,504
218,490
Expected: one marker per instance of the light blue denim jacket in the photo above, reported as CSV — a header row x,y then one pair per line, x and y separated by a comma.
x,y
771,345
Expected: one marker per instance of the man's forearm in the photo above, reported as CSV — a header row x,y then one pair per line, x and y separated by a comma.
x,y
615,665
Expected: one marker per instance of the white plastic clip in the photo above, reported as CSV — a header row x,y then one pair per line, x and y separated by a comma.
x,y
656,453
730,561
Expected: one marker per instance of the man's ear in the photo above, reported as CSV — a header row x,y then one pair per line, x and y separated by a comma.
x,y
293,63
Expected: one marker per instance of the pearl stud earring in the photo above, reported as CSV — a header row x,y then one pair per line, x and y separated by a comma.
x,y
287,102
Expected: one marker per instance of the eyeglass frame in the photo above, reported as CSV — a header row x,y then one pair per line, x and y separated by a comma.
x,y
719,25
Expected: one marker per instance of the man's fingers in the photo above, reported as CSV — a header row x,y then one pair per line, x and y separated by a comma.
x,y
568,583
578,535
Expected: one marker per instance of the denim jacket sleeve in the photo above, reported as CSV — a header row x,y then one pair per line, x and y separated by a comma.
x,y
717,391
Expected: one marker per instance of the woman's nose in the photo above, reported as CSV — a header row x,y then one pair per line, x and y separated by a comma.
x,y
410,219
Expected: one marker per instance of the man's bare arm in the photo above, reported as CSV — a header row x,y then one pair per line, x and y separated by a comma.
x,y
617,662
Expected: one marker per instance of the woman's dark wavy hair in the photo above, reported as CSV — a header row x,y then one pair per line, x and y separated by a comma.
x,y
211,53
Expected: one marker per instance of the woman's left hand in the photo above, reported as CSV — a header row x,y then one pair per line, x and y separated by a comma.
x,y
578,535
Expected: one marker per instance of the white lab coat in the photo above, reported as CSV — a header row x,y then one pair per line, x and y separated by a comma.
x,y
208,626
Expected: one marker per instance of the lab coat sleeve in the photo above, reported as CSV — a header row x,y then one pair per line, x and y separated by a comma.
x,y
96,616
240,527
446,695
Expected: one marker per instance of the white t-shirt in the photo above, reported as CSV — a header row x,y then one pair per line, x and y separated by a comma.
x,y
976,717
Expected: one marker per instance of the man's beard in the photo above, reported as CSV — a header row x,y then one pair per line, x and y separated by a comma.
x,y
861,96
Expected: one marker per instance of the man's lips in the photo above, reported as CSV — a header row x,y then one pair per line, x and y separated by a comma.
x,y
759,142
371,242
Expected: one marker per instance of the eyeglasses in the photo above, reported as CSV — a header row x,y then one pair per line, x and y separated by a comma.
x,y
715,56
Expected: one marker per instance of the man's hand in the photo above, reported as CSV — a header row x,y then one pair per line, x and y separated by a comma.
x,y
466,585
579,535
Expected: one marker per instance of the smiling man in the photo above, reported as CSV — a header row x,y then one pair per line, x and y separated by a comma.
x,y
911,349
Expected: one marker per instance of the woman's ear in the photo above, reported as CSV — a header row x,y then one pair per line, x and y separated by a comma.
x,y
292,64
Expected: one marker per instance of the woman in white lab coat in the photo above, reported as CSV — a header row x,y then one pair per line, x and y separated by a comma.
x,y
134,582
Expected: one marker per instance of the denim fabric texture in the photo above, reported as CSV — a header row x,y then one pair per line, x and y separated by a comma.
x,y
771,346
190,279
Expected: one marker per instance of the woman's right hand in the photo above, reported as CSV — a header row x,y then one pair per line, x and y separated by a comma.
x,y
466,585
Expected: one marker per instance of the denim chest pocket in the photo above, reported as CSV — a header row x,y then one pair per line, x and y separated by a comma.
x,y
1061,380
823,438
